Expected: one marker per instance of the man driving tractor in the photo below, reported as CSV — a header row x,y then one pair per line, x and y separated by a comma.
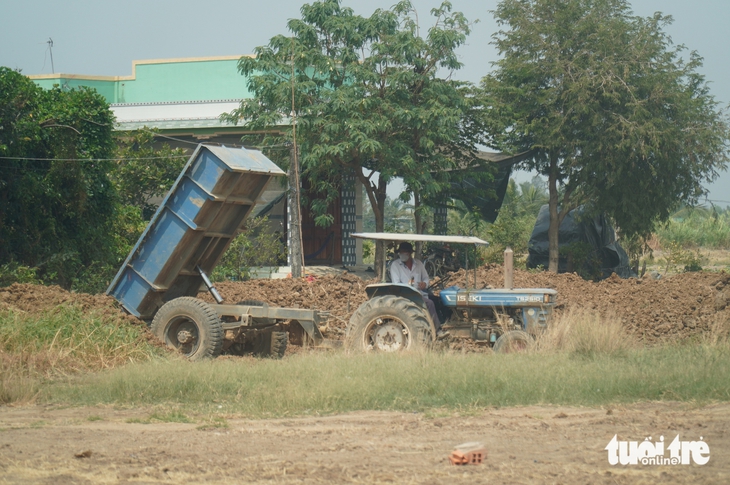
x,y
410,271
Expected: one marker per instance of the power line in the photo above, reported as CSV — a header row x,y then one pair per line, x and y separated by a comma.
x,y
278,145
89,159
170,137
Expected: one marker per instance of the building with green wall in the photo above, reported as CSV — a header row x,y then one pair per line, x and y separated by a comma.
x,y
180,97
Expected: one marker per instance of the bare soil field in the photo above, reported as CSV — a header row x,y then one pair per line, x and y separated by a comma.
x,y
524,445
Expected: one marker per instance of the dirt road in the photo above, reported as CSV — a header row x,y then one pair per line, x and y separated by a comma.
x,y
525,445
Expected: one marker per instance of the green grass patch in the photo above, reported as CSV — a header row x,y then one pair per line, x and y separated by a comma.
x,y
37,347
175,416
213,422
334,383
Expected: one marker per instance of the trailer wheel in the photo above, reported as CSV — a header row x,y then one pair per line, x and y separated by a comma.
x,y
388,324
271,344
257,303
514,341
190,326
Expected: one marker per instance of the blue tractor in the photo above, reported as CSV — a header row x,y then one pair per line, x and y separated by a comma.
x,y
395,317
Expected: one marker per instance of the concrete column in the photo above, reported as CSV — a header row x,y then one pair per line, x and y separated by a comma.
x,y
348,204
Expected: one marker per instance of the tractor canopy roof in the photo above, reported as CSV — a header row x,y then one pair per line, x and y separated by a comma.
x,y
393,236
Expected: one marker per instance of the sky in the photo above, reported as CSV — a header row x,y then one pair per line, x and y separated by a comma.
x,y
99,37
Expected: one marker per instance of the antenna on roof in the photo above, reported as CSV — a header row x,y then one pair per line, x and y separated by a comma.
x,y
50,49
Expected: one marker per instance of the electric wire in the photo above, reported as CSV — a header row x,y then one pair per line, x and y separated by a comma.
x,y
90,159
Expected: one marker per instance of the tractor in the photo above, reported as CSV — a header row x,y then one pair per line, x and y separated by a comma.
x,y
395,317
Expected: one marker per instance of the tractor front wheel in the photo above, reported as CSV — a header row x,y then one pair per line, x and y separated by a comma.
x,y
513,341
388,324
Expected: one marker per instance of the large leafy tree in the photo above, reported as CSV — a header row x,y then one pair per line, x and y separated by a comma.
x,y
57,205
371,99
144,172
617,118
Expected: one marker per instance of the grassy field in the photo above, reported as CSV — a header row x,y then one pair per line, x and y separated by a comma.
x,y
583,361
333,383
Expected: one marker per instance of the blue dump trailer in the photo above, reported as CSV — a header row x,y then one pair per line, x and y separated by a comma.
x,y
159,281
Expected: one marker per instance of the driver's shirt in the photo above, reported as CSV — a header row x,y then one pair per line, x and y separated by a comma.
x,y
399,273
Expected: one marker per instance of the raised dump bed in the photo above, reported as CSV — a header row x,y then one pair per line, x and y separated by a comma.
x,y
191,230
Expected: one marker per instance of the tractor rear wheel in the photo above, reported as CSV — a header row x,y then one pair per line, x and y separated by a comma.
x,y
514,341
388,324
190,326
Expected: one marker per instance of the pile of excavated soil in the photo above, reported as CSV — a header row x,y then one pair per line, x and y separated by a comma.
x,y
35,299
674,307
340,295
677,306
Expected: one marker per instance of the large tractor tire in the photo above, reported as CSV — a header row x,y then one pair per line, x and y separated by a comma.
x,y
388,324
514,341
190,326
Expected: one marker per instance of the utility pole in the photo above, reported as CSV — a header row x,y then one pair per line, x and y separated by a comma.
x,y
295,215
295,219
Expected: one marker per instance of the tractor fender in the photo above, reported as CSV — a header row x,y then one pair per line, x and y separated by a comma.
x,y
395,289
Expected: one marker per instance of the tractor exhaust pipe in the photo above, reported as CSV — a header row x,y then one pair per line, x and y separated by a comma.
x,y
509,268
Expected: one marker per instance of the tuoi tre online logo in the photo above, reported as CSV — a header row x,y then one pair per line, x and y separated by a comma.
x,y
654,453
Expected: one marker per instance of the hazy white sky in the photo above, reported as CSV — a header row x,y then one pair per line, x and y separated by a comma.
x,y
100,37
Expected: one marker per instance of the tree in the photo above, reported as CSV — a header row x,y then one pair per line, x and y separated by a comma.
x,y
367,99
617,120
57,205
143,172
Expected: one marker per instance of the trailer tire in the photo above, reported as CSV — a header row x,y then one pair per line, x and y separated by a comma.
x,y
190,326
514,341
271,344
257,303
388,324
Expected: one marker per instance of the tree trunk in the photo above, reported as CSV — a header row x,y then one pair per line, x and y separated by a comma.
x,y
420,226
554,228
376,195
379,211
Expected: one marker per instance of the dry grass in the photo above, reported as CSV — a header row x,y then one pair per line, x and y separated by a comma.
x,y
719,332
586,332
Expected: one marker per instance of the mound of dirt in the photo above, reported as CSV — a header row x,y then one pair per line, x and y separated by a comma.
x,y
340,295
678,306
674,307
35,299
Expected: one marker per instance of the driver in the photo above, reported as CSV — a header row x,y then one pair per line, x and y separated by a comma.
x,y
410,271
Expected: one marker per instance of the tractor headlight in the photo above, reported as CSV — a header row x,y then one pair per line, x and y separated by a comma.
x,y
546,298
